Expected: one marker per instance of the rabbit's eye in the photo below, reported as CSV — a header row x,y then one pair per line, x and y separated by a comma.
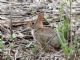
x,y
32,23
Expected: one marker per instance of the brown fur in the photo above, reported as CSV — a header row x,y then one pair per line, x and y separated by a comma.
x,y
45,36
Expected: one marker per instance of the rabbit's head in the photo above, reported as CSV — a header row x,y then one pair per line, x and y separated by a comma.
x,y
38,23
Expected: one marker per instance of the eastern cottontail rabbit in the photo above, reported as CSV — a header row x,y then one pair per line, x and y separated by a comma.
x,y
45,36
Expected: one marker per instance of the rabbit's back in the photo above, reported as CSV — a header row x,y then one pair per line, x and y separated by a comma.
x,y
47,37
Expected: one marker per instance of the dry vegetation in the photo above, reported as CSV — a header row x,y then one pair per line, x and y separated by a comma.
x,y
39,30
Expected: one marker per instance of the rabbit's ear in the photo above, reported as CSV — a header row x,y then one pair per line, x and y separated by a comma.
x,y
40,20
